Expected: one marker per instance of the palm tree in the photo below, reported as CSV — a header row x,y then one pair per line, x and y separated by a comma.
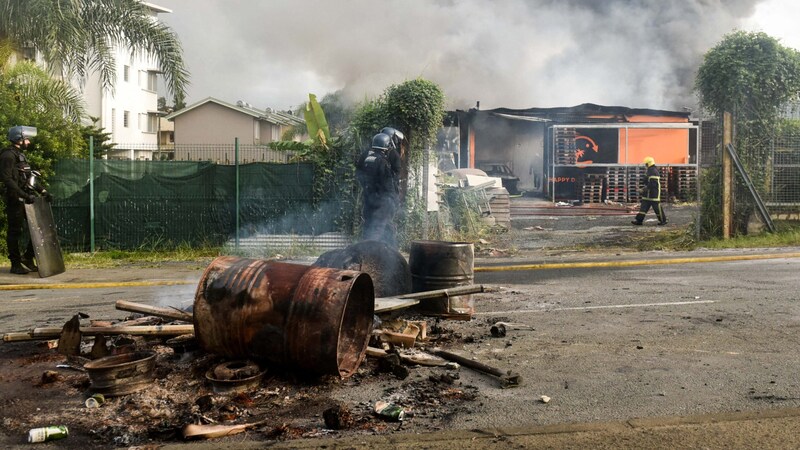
x,y
76,37
31,85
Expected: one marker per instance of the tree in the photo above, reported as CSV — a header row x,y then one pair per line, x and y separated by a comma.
x,y
415,107
78,36
752,76
749,74
29,96
101,142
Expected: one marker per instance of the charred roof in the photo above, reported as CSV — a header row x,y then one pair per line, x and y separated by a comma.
x,y
586,112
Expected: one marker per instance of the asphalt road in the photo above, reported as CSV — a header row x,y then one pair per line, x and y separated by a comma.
x,y
651,343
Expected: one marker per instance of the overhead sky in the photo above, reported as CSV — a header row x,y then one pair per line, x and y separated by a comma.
x,y
510,53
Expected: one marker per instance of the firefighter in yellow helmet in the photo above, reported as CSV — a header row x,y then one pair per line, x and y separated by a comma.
x,y
651,194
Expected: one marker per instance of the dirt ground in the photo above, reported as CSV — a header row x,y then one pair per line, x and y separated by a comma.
x,y
35,391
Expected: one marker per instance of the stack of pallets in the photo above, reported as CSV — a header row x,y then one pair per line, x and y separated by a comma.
x,y
592,190
686,183
665,173
635,174
564,146
617,190
500,202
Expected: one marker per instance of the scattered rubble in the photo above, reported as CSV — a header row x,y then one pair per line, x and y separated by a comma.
x,y
169,386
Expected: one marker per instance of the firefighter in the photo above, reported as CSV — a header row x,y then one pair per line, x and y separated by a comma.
x,y
18,181
378,180
651,193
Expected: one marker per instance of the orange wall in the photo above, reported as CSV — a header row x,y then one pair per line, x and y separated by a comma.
x,y
666,146
471,139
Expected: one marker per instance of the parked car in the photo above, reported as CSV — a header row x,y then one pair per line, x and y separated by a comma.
x,y
502,171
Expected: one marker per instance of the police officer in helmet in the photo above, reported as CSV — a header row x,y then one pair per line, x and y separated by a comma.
x,y
395,148
396,136
378,178
19,187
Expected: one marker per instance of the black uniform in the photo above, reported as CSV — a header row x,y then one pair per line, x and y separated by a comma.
x,y
378,173
651,197
13,166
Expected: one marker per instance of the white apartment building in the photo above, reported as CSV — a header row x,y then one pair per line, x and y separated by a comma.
x,y
129,111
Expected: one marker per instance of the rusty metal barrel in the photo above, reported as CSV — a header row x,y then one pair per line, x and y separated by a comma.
x,y
303,317
441,265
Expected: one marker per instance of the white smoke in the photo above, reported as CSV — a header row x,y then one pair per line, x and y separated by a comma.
x,y
510,53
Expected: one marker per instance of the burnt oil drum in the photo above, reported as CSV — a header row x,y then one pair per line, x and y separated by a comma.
x,y
442,265
302,317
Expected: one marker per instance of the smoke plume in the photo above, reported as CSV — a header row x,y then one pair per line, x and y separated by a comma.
x,y
511,53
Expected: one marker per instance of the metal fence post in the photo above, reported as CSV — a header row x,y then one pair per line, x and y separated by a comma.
x,y
425,174
91,194
236,163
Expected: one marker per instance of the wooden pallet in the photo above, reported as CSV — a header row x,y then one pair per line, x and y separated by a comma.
x,y
500,204
593,187
686,183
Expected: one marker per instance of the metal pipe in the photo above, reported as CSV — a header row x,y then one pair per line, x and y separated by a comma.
x,y
236,162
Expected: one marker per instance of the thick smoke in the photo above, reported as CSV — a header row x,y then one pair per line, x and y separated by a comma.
x,y
510,53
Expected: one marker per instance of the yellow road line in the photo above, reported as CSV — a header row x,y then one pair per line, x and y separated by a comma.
x,y
644,262
23,287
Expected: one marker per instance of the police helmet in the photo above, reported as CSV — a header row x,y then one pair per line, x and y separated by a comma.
x,y
20,133
381,141
649,161
396,135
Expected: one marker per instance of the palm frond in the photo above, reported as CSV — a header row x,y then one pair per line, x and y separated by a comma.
x,y
76,37
46,93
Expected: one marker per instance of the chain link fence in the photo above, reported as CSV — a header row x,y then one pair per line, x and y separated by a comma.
x,y
773,166
784,173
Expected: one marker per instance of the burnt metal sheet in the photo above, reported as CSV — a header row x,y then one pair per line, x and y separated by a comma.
x,y
44,236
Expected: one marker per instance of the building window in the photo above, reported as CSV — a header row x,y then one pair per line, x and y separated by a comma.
x,y
152,123
152,81
113,121
126,118
126,73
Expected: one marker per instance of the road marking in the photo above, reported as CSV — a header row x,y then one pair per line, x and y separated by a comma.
x,y
644,262
23,287
576,308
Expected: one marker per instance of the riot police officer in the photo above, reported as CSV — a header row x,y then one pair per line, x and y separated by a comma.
x,y
18,181
395,143
378,179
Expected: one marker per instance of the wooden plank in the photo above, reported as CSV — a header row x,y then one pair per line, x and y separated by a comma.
x,y
53,332
169,313
393,304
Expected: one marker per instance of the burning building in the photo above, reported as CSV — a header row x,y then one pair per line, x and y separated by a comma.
x,y
588,152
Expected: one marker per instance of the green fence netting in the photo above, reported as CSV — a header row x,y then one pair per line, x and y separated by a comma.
x,y
153,203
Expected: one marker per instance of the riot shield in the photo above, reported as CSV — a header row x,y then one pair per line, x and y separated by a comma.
x,y
44,237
